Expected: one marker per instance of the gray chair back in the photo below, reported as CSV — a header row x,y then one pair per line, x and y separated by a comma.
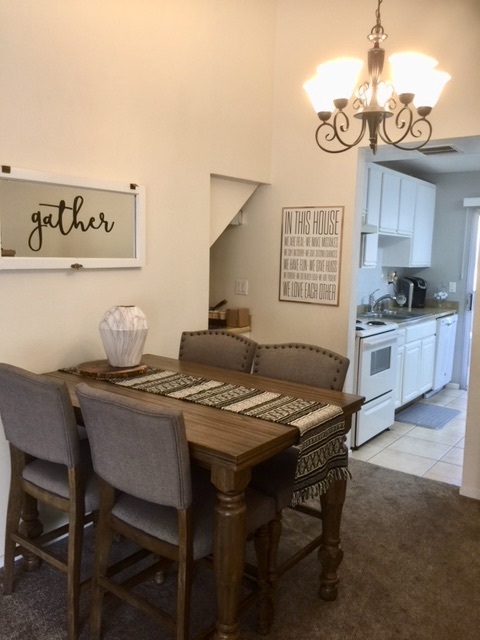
x,y
218,348
137,447
301,363
37,415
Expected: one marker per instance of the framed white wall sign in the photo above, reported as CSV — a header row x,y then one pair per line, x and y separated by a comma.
x,y
311,254
49,221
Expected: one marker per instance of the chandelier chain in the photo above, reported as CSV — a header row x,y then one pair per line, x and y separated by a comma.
x,y
378,29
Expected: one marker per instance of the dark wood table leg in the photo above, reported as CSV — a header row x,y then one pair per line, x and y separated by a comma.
x,y
31,527
329,552
265,602
229,551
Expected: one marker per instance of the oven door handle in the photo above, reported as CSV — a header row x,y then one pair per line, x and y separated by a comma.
x,y
368,345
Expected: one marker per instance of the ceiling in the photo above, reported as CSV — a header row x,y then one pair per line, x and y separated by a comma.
x,y
463,156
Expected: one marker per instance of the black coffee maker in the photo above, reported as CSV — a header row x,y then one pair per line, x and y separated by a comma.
x,y
419,291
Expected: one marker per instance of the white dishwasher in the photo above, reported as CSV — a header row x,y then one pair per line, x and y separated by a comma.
x,y
444,351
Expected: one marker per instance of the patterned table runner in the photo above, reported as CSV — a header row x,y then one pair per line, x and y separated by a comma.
x,y
323,456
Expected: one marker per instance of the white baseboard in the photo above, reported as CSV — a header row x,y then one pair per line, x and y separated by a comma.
x,y
470,492
453,385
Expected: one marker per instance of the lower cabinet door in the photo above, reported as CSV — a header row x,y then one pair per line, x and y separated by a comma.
x,y
411,368
428,363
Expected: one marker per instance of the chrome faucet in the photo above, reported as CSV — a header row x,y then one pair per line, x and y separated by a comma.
x,y
388,296
371,300
373,303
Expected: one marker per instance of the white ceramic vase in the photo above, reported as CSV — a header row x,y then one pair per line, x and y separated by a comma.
x,y
123,330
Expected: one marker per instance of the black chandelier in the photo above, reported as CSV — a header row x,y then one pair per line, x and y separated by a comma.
x,y
415,81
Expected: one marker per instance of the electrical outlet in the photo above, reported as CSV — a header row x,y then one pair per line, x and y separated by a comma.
x,y
452,287
241,287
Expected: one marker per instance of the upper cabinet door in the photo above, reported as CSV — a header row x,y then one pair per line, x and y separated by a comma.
x,y
397,207
389,203
421,252
373,194
370,216
369,250
406,209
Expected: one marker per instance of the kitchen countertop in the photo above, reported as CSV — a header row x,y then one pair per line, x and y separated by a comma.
x,y
415,315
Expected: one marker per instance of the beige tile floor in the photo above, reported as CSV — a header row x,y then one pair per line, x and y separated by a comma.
x,y
431,453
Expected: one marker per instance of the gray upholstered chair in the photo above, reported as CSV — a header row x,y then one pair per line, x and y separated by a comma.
x,y
218,348
150,494
304,364
48,464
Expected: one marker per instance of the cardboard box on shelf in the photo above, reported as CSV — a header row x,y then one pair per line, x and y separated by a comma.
x,y
238,317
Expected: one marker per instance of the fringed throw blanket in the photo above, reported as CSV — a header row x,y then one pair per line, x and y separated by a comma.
x,y
323,456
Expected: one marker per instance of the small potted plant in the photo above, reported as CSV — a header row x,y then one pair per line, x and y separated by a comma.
x,y
440,294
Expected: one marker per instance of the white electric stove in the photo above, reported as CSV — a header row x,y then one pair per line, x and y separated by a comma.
x,y
375,375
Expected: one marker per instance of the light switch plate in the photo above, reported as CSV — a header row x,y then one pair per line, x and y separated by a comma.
x,y
241,287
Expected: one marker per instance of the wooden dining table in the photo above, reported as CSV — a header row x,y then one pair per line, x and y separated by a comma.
x,y
229,445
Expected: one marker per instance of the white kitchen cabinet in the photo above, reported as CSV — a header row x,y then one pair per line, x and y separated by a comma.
x,y
412,359
397,204
406,206
369,250
390,197
370,215
372,194
401,251
418,360
421,250
427,364
402,208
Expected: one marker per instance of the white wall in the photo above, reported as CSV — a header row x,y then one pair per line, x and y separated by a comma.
x,y
309,32
158,92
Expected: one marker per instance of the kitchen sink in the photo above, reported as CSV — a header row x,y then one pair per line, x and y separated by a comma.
x,y
390,314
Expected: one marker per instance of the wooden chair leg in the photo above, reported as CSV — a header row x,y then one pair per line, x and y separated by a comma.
x,y
31,527
14,510
184,580
103,543
184,576
75,541
265,606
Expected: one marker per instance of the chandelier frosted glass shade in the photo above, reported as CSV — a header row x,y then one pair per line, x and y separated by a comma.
x,y
415,73
429,93
335,79
408,69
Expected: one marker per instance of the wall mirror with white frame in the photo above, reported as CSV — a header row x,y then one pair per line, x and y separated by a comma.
x,y
50,221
